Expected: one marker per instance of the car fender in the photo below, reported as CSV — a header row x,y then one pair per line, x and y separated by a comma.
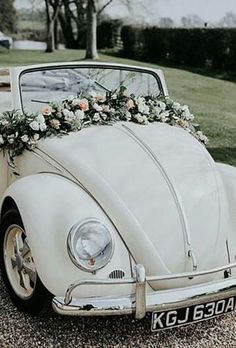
x,y
49,206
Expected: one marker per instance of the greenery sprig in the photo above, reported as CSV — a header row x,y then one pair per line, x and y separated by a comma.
x,y
19,132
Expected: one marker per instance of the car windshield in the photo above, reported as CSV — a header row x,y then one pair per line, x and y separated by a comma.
x,y
47,85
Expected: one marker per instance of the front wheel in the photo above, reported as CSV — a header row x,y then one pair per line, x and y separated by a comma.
x,y
18,269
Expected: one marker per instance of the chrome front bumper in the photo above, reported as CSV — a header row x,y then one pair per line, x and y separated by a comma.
x,y
141,302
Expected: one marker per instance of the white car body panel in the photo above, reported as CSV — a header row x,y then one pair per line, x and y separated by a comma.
x,y
116,186
167,203
48,219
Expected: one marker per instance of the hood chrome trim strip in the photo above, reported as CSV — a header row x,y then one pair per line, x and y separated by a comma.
x,y
177,200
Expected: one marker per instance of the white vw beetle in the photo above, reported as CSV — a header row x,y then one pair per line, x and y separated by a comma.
x,y
115,219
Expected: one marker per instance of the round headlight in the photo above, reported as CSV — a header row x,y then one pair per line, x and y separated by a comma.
x,y
90,245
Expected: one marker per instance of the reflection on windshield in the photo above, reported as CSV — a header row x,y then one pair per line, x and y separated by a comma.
x,y
39,87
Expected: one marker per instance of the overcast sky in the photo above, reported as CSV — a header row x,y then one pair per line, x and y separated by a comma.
x,y
152,10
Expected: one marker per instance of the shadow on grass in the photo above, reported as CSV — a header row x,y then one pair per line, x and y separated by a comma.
x,y
216,74
223,154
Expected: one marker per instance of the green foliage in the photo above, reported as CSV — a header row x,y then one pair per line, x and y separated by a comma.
x,y
8,16
19,132
212,48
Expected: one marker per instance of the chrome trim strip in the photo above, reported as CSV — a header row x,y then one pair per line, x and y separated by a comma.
x,y
72,287
141,302
47,161
183,219
192,274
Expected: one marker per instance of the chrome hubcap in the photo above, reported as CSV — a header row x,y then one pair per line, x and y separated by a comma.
x,y
19,262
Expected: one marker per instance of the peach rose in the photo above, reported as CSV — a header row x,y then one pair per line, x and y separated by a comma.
x,y
55,123
183,123
84,105
47,110
130,104
100,98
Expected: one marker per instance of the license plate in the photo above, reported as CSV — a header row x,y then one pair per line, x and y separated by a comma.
x,y
183,316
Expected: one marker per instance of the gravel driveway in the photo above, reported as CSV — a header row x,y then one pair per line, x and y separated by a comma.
x,y
19,330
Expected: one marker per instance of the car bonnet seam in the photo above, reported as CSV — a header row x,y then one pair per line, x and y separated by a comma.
x,y
177,200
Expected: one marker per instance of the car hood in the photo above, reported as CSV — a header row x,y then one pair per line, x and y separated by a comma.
x,y
157,184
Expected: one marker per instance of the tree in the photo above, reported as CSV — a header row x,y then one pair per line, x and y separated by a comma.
x,y
79,18
192,21
72,18
166,22
52,12
8,16
93,11
229,20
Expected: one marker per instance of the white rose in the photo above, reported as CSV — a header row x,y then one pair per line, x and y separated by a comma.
x,y
4,122
157,110
176,106
161,105
141,100
114,96
11,138
1,140
75,102
32,143
128,116
66,112
40,119
145,120
143,108
79,114
139,118
185,108
97,107
103,116
164,116
106,108
42,127
202,137
96,117
38,124
185,113
34,125
69,115
36,136
25,138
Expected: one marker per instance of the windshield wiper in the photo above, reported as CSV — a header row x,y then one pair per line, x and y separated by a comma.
x,y
39,101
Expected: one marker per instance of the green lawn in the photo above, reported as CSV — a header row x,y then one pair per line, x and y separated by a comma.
x,y
213,101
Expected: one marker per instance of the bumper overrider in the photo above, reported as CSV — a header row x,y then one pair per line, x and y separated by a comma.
x,y
141,302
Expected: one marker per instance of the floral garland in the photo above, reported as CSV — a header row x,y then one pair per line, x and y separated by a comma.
x,y
19,132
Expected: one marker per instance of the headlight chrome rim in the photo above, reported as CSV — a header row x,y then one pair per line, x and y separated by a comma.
x,y
71,251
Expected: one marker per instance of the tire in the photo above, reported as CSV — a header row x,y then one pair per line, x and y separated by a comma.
x,y
18,271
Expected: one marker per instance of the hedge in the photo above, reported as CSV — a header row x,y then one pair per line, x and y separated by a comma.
x,y
214,48
108,33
